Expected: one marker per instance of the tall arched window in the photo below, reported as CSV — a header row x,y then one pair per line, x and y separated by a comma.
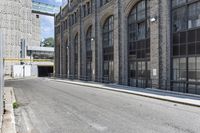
x,y
139,45
186,46
67,55
89,54
76,56
108,41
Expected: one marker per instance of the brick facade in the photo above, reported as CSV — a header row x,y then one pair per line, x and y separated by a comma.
x,y
160,39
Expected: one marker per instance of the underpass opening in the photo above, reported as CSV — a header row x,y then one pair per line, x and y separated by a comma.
x,y
44,71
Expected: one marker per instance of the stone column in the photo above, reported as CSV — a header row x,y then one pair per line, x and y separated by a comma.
x,y
64,57
154,42
99,47
93,45
124,48
165,45
117,40
93,42
83,47
71,54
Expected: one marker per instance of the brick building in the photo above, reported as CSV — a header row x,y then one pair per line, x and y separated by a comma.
x,y
140,43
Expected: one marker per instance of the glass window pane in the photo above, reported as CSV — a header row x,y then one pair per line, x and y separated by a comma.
x,y
183,49
141,31
141,10
176,50
192,88
108,32
194,15
198,89
192,69
191,49
176,38
198,69
183,72
88,39
178,2
179,19
176,67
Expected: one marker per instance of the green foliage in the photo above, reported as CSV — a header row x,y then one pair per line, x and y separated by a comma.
x,y
15,105
48,42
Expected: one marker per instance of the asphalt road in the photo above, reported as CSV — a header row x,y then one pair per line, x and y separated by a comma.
x,y
53,107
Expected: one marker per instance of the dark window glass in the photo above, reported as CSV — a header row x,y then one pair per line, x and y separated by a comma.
x,y
191,35
183,37
176,38
138,30
178,2
179,19
108,42
198,35
76,56
198,70
139,44
176,50
192,69
191,49
183,49
198,48
89,53
194,15
88,39
108,32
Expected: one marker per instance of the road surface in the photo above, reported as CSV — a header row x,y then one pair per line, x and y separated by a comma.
x,y
53,107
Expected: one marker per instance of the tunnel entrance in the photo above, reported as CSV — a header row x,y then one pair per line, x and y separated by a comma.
x,y
44,71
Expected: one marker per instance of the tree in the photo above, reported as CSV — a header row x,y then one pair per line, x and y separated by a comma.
x,y
48,42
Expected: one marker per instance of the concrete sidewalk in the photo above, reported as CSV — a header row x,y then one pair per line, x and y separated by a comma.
x,y
8,125
176,97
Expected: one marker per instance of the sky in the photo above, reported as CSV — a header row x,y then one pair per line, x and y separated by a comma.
x,y
52,2
46,26
47,22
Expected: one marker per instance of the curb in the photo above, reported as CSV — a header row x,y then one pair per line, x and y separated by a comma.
x,y
8,125
143,94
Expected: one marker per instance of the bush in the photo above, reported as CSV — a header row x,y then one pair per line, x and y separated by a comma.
x,y
15,105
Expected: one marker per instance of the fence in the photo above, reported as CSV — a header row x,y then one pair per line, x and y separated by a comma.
x,y
1,77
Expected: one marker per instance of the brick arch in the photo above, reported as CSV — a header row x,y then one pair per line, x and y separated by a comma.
x,y
86,26
66,41
130,6
105,17
75,32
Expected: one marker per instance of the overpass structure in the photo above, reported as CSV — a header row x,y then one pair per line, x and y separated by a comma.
x,y
44,8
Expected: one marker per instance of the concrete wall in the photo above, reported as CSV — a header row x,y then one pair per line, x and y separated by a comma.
x,y
17,22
